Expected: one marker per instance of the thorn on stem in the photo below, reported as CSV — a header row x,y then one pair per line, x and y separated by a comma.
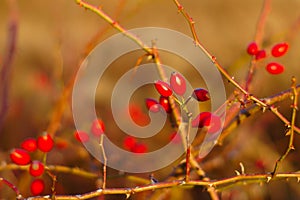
x,y
180,8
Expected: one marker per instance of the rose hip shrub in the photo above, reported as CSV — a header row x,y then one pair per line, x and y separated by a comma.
x,y
36,123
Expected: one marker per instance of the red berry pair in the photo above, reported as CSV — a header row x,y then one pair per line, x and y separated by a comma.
x,y
209,120
278,50
177,85
44,143
20,156
131,144
154,106
253,50
97,129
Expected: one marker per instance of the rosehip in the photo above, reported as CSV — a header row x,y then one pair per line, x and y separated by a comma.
x,y
129,143
61,144
252,48
29,144
81,136
152,105
45,142
175,138
209,120
260,55
36,168
163,88
274,68
203,119
37,186
201,94
98,127
139,148
20,157
215,124
177,83
137,115
164,102
279,49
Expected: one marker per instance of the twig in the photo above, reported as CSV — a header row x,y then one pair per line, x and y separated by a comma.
x,y
52,168
12,186
114,24
292,127
258,39
262,22
8,60
104,161
176,113
54,180
91,44
215,185
214,59
251,110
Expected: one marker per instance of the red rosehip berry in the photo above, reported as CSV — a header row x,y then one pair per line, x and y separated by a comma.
x,y
45,142
163,88
139,148
274,68
177,83
129,143
37,186
36,168
279,49
215,124
164,102
209,120
97,127
61,144
175,138
81,136
252,48
137,115
201,94
260,54
152,105
202,120
29,144
20,156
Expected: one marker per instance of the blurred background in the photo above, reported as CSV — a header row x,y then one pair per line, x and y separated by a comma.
x,y
54,36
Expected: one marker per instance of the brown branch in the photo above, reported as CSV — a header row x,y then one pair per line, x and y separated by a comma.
x,y
292,126
253,109
52,168
209,185
258,39
104,161
114,24
12,186
8,60
214,59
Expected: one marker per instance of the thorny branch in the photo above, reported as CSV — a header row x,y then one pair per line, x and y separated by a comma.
x,y
291,128
216,185
258,39
8,60
210,185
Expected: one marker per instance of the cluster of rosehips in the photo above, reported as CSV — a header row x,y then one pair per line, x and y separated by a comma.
x,y
178,85
278,50
21,156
